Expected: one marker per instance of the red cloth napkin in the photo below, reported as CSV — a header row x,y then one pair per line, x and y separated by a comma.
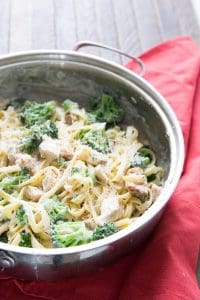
x,y
164,268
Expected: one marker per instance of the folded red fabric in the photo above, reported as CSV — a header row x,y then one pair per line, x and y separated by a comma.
x,y
165,266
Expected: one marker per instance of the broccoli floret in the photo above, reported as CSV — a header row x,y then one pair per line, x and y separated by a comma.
x,y
31,142
104,109
140,161
21,216
103,231
25,239
142,158
9,183
4,238
68,234
56,210
37,113
68,105
49,128
96,139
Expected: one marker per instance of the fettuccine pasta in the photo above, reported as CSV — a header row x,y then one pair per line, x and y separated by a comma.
x,y
61,165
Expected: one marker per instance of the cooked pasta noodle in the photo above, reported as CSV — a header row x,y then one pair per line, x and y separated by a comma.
x,y
112,181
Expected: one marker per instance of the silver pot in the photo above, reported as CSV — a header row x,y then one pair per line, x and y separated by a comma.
x,y
60,74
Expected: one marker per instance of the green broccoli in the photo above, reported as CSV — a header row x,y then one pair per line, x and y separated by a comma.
x,y
31,142
104,109
103,231
9,183
25,239
37,113
21,216
142,158
96,139
68,105
56,210
68,234
140,161
49,128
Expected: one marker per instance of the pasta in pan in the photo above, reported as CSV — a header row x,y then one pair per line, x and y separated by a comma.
x,y
68,176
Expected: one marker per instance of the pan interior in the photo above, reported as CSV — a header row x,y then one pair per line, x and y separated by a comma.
x,y
45,80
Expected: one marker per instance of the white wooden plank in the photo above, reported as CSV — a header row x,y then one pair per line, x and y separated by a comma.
x,y
148,27
86,23
128,37
65,23
20,25
131,25
107,29
4,26
43,26
187,18
196,9
168,21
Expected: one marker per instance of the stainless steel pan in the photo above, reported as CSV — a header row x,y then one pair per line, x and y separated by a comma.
x,y
60,74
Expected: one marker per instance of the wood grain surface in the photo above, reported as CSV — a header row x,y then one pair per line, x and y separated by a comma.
x,y
131,25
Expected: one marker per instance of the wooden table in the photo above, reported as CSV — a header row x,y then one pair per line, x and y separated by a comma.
x,y
132,25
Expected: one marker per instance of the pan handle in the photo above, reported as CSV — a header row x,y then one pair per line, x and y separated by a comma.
x,y
82,44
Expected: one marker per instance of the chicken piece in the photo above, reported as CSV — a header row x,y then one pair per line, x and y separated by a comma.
x,y
66,154
11,148
90,223
135,170
155,190
97,158
50,178
49,148
135,176
138,191
32,193
91,156
25,161
100,174
70,119
111,210
135,181
84,153
59,114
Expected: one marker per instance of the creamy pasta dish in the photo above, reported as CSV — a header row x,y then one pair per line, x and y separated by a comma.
x,y
70,176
